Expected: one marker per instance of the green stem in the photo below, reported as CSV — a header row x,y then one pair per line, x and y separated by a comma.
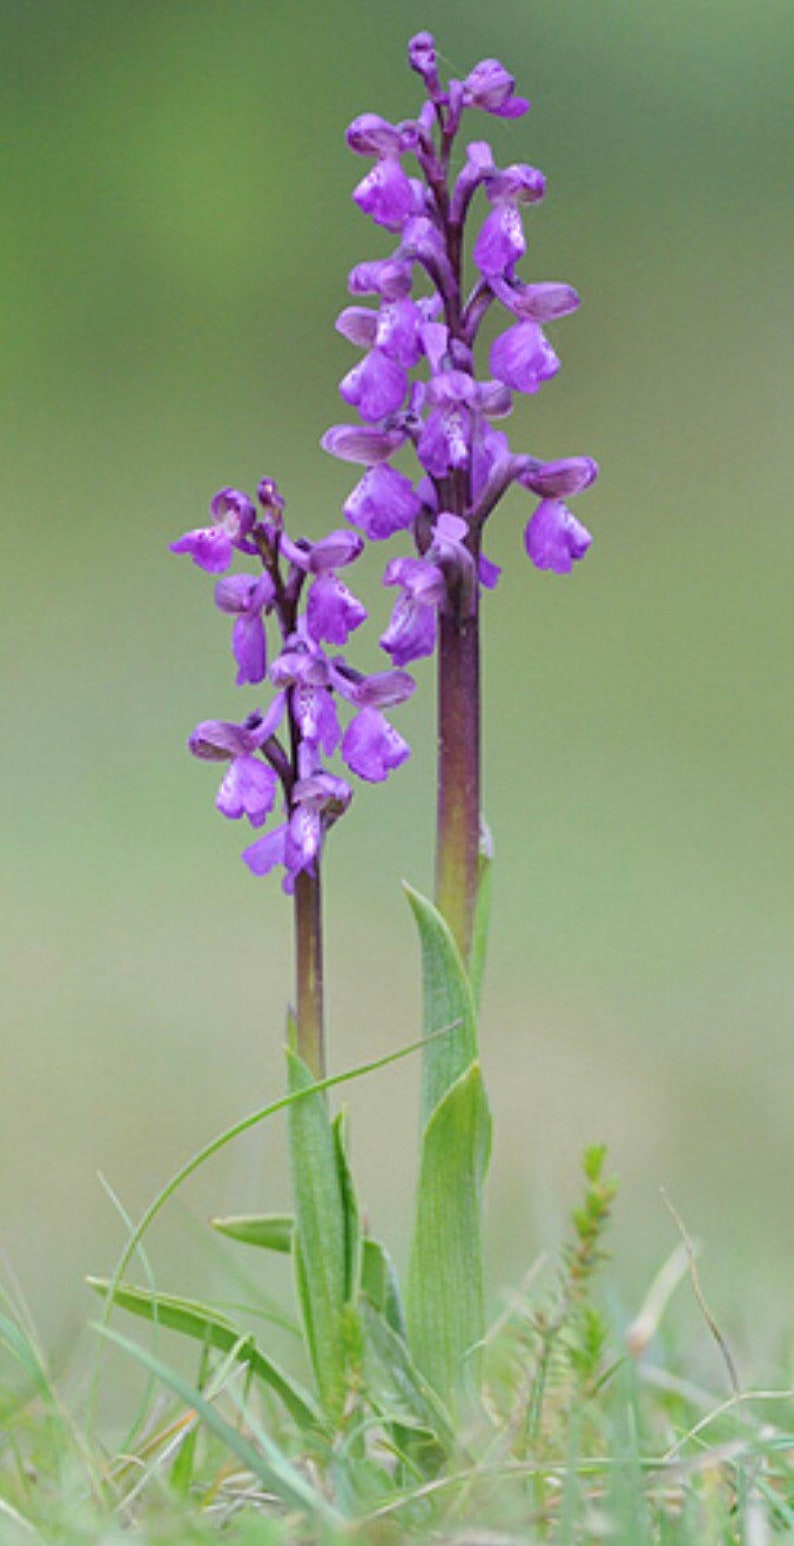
x,y
309,971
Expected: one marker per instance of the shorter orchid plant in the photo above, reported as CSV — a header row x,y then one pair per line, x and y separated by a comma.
x,y
394,1369
284,752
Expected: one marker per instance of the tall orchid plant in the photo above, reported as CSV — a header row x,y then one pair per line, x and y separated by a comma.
x,y
407,1360
416,384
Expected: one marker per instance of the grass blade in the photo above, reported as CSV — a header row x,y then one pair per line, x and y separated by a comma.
x,y
205,1325
267,1462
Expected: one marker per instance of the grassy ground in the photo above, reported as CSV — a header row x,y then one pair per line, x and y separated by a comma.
x,y
586,1432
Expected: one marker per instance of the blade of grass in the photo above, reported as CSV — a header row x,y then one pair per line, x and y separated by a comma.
x,y
266,1462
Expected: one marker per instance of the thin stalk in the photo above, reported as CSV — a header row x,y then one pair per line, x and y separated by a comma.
x,y
308,929
458,819
309,971
458,828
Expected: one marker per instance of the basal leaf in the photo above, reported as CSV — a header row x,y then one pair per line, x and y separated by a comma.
x,y
320,1245
350,1209
275,1231
379,1283
396,1384
447,1003
204,1324
444,1299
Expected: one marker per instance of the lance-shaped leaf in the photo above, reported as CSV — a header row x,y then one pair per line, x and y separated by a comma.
x,y
204,1324
379,1283
448,1005
320,1244
401,1393
444,1299
350,1210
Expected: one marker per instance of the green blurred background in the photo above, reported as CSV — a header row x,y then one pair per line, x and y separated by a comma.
x,y
177,232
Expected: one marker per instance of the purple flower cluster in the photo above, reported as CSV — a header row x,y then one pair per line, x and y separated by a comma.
x,y
445,412
297,585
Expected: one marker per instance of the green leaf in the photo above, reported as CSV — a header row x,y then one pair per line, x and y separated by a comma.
x,y
482,914
271,1231
401,1392
320,1246
350,1209
444,1299
204,1324
264,1459
275,1231
379,1283
448,1004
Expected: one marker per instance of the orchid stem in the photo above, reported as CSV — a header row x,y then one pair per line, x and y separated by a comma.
x,y
309,971
458,832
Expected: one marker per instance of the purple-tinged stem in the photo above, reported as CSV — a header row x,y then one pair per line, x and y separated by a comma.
x,y
308,926
458,829
309,971
458,808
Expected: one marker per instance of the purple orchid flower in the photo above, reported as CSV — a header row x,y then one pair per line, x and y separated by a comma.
x,y
211,547
332,611
245,597
372,748
490,87
383,503
302,671
249,787
553,537
318,801
385,193
376,386
523,357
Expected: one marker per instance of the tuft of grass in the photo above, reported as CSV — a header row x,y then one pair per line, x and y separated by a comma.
x,y
583,1435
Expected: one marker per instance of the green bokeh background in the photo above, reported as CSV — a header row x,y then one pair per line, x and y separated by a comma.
x,y
176,237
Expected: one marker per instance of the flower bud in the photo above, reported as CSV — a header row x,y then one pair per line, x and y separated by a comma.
x,y
371,135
